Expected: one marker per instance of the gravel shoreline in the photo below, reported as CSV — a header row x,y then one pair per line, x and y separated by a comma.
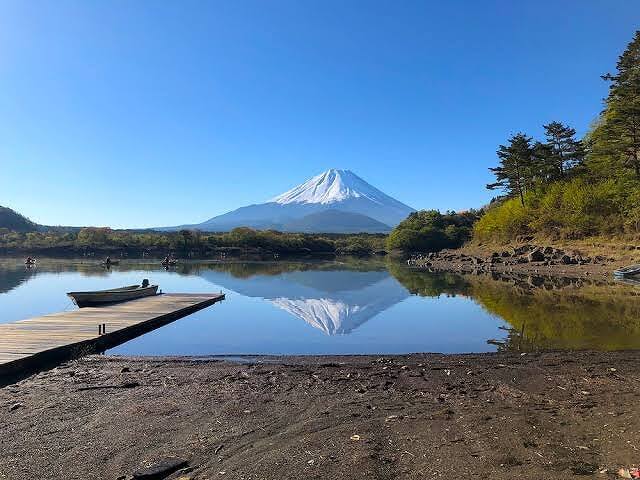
x,y
501,416
528,259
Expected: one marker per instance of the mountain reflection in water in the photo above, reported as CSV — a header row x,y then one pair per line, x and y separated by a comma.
x,y
335,301
414,310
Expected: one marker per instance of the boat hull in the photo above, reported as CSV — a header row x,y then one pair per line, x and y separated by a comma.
x,y
105,297
630,271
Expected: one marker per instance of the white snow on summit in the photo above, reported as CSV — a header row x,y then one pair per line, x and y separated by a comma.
x,y
333,186
332,316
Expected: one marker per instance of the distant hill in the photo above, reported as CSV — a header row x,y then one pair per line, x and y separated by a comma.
x,y
336,221
14,221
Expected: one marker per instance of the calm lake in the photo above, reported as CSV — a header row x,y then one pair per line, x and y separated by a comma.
x,y
344,307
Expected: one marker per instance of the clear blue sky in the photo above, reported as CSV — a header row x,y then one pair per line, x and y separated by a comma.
x,y
143,113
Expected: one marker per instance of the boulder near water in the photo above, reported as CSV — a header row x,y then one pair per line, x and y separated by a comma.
x,y
536,256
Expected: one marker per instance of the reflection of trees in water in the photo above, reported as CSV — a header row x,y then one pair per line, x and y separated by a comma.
x,y
579,316
250,269
427,284
90,270
515,341
13,277
544,312
238,269
13,272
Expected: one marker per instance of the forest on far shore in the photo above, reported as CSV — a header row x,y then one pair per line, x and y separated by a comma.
x,y
184,243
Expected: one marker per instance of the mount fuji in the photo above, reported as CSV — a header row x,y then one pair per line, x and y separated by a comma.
x,y
335,201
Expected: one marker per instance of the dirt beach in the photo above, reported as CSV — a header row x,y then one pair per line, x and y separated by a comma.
x,y
498,416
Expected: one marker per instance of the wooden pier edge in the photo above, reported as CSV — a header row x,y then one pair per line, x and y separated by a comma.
x,y
21,368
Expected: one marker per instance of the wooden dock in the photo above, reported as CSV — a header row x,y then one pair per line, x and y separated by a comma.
x,y
30,345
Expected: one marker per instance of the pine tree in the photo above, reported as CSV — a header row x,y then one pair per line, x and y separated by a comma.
x,y
563,153
544,159
518,169
616,139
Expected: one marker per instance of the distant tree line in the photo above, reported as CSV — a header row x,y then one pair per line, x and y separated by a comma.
x,y
187,243
565,187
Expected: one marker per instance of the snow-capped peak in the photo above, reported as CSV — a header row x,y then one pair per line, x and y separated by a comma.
x,y
331,186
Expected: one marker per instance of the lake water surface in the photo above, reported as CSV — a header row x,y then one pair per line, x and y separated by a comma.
x,y
344,307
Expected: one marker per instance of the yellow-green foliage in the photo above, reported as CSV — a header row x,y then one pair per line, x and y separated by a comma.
x,y
573,209
504,221
577,209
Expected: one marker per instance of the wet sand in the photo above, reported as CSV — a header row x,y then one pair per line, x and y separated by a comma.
x,y
498,416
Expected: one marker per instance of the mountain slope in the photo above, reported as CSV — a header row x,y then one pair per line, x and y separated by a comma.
x,y
336,190
12,220
336,221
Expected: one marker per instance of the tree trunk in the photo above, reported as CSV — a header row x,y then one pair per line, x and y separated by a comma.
x,y
521,195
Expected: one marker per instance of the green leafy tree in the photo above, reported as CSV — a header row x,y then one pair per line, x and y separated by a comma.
x,y
431,231
187,238
93,236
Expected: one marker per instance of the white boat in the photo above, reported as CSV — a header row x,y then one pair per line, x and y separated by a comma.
x,y
101,297
629,271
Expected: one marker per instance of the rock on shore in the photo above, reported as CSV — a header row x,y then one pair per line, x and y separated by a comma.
x,y
526,258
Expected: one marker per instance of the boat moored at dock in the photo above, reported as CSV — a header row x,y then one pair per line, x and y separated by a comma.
x,y
114,295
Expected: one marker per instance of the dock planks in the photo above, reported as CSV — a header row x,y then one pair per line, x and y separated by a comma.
x,y
36,343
